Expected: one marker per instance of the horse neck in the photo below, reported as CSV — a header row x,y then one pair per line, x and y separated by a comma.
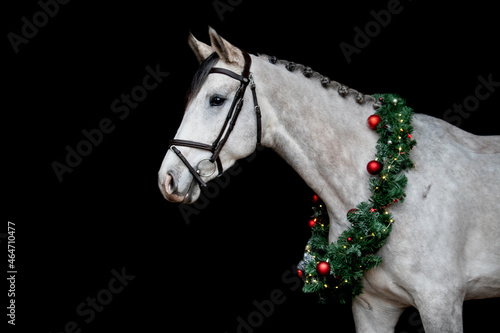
x,y
321,134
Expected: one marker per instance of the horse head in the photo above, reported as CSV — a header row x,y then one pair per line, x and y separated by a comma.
x,y
209,139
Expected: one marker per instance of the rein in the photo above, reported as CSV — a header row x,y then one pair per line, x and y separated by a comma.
x,y
215,148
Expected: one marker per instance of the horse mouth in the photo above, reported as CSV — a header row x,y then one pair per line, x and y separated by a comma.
x,y
192,193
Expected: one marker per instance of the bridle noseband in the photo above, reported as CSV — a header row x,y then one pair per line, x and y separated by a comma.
x,y
215,148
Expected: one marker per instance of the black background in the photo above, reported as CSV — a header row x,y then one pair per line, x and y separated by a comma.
x,y
202,273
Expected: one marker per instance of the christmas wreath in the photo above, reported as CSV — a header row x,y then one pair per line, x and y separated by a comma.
x,y
335,270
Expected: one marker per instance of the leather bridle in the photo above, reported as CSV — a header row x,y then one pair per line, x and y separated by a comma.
x,y
215,148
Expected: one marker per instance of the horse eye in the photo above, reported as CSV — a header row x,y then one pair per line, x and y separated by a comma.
x,y
216,101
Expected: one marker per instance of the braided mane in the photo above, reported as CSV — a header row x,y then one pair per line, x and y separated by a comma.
x,y
325,81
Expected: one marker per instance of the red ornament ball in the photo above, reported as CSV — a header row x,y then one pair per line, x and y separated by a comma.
x,y
349,239
373,121
374,167
300,274
312,222
323,268
350,214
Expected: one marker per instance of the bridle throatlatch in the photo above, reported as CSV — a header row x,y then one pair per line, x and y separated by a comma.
x,y
215,148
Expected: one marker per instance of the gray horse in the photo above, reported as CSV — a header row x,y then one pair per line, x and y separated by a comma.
x,y
444,246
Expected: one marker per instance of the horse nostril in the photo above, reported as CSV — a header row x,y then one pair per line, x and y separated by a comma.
x,y
168,188
169,184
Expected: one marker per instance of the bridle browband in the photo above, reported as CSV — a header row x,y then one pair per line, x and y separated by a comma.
x,y
215,148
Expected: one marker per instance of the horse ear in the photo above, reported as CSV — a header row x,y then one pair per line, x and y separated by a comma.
x,y
200,49
226,51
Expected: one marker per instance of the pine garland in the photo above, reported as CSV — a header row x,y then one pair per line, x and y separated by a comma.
x,y
335,271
